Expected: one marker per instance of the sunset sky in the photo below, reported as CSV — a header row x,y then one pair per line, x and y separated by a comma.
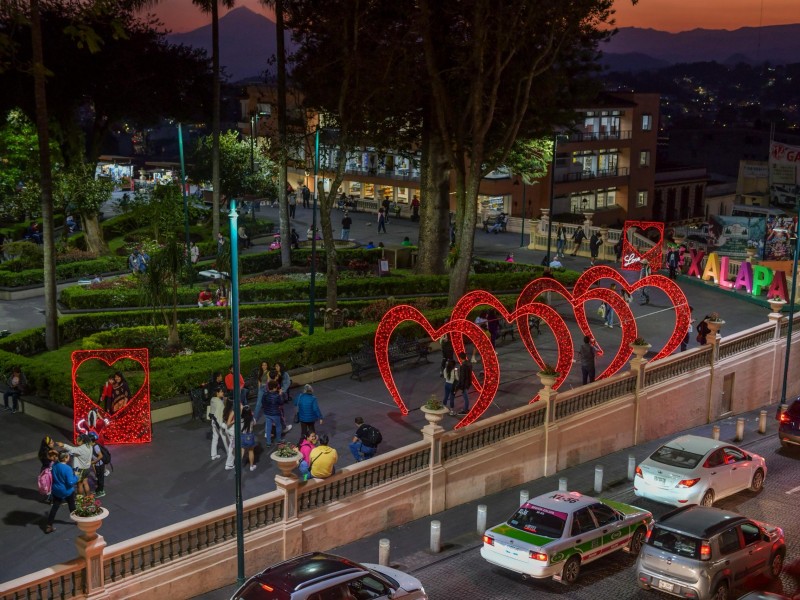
x,y
666,15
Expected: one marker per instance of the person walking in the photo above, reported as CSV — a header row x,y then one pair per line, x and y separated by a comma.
x,y
577,238
218,430
194,253
415,208
99,466
594,246
587,353
644,271
292,205
365,441
609,316
323,459
448,353
249,442
561,240
382,220
244,240
464,380
386,204
673,257
16,385
63,490
346,223
702,331
306,194
450,375
307,410
271,403
689,330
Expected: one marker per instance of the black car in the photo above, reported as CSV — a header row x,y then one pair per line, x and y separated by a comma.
x,y
789,426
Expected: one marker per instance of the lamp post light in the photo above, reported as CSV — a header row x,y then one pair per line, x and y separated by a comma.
x,y
522,228
189,269
313,283
792,298
552,195
233,217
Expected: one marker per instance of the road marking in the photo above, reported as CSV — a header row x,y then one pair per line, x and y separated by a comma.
x,y
793,490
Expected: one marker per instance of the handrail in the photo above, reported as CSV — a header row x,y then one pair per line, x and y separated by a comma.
x,y
59,582
677,365
594,394
741,343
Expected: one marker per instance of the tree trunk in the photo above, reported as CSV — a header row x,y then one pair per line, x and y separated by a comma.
x,y
46,180
93,233
466,215
285,225
434,224
326,206
215,110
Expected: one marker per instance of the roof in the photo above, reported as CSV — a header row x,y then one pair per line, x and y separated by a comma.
x,y
566,502
299,571
699,521
695,444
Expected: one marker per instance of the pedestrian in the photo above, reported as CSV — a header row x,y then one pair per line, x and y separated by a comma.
x,y
16,386
82,452
219,433
365,441
262,378
689,330
243,391
307,409
346,223
561,240
673,255
220,244
493,325
482,321
406,242
415,208
248,437
308,441
63,490
644,271
99,466
120,392
448,353
272,403
47,452
587,353
618,249
450,375
295,239
194,253
323,459
244,241
464,380
386,204
703,330
229,422
306,193
594,246
555,264
609,314
285,383
382,220
510,257
292,205
577,238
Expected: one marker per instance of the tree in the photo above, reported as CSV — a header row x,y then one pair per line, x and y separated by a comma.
x,y
77,190
159,285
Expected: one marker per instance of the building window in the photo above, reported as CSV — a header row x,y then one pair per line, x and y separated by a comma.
x,y
647,122
644,158
641,198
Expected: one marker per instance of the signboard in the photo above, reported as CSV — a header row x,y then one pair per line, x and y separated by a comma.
x,y
731,236
784,174
779,244
631,256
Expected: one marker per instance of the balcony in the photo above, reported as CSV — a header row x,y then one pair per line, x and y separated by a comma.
x,y
382,172
587,175
593,136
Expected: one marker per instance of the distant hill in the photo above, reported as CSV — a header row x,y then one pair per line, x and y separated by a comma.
x,y
634,48
246,42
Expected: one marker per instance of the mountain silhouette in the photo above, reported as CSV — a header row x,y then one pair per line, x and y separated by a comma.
x,y
246,43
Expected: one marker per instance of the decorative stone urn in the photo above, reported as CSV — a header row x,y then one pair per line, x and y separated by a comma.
x,y
715,326
776,305
547,379
90,525
434,415
640,349
286,464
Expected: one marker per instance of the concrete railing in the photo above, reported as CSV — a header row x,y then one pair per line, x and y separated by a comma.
x,y
444,469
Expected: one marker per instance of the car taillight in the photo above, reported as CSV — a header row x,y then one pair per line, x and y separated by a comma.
x,y
266,588
785,418
639,472
488,540
705,551
538,556
687,483
648,534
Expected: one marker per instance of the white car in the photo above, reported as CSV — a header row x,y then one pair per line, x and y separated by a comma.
x,y
552,535
697,470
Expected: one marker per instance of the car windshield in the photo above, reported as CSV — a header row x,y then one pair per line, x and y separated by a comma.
x,y
538,520
675,457
676,543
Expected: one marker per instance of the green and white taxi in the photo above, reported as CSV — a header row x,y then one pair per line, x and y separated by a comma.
x,y
552,535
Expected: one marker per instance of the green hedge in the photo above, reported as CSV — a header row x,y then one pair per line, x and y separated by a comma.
x,y
16,231
85,268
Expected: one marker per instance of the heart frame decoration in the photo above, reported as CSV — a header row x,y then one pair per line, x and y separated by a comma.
x,y
129,425
631,258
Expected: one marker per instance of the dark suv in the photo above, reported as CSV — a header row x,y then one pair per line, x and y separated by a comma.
x,y
702,552
320,576
789,426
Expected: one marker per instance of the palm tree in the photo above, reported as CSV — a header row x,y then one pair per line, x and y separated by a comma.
x,y
159,285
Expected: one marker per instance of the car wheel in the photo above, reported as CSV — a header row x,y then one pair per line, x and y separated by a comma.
x,y
776,565
569,574
758,481
708,498
721,591
637,541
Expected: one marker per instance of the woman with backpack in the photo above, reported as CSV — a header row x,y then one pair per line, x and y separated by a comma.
x,y
63,490
450,375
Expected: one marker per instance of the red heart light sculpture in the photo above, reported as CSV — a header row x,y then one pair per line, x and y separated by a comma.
x,y
551,318
631,258
129,425
399,314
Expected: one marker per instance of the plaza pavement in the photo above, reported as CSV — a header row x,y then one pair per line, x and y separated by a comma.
x,y
173,478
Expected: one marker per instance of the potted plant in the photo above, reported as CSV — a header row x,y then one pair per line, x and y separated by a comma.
x,y
548,375
640,346
287,457
776,303
434,410
88,515
715,323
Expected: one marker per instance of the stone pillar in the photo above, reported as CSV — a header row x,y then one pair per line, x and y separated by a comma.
x,y
91,551
432,433
607,247
549,396
587,224
544,222
292,528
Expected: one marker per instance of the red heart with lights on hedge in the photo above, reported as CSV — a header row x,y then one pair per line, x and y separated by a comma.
x,y
130,424
631,257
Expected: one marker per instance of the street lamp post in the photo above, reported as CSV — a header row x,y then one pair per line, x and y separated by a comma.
x,y
190,271
252,142
522,229
552,194
233,217
792,297
313,285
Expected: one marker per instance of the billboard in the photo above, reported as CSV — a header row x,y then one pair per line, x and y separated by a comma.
x,y
731,236
784,174
779,243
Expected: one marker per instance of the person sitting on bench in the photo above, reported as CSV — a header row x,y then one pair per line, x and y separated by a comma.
x,y
500,223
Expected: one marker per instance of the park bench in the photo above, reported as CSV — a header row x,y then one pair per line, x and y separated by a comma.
x,y
492,219
400,350
507,329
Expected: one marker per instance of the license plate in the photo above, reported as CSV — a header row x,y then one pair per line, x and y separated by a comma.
x,y
660,479
511,551
665,585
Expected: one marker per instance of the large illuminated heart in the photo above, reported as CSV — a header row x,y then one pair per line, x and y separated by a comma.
x,y
129,425
631,257
400,314
548,315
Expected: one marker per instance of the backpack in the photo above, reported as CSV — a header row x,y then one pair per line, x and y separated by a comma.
x,y
372,436
45,481
105,454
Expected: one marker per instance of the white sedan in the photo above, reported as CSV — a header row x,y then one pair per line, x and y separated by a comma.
x,y
697,470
